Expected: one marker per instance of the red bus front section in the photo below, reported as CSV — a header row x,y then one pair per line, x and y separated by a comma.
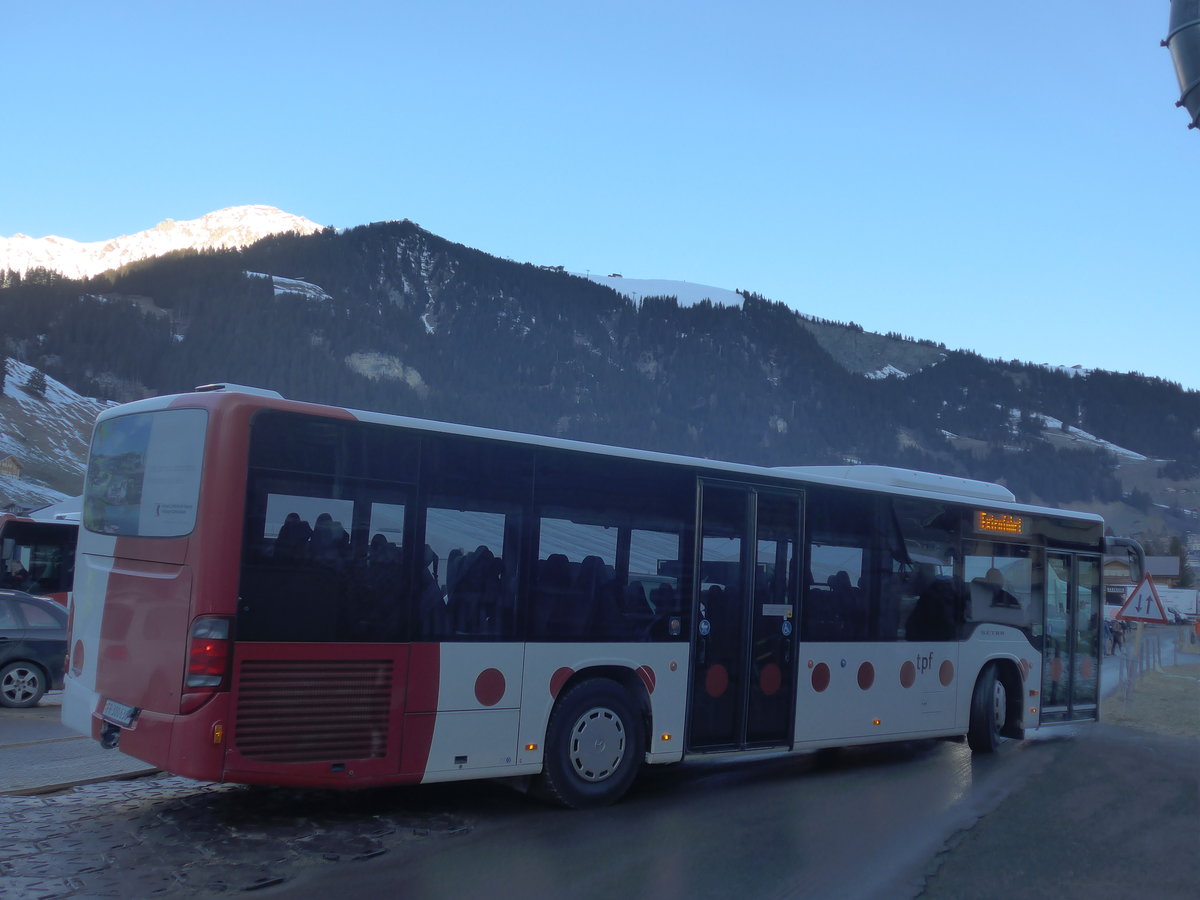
x,y
156,663
158,552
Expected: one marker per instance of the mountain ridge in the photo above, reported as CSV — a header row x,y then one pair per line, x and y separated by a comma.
x,y
393,318
241,226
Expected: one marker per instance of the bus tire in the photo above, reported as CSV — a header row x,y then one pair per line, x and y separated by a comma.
x,y
22,685
594,746
989,711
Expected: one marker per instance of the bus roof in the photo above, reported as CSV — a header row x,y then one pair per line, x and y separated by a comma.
x,y
878,479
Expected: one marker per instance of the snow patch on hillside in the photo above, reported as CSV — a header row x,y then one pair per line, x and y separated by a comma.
x,y
1078,435
887,372
686,292
48,434
380,365
1070,371
294,286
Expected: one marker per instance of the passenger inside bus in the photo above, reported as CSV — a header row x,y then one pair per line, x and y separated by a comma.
x,y
373,608
474,590
16,578
933,617
834,610
292,540
329,544
996,589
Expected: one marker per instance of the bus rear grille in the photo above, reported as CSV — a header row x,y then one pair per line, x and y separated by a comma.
x,y
313,710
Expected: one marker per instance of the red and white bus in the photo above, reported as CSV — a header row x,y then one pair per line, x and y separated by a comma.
x,y
275,592
37,555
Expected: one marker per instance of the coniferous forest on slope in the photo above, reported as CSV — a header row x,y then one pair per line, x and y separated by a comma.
x,y
417,325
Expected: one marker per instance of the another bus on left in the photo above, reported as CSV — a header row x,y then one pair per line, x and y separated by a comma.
x,y
37,555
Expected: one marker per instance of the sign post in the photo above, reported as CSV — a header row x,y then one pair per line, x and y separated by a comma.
x,y
1141,606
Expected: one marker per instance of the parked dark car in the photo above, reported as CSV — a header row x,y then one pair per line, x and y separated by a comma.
x,y
33,647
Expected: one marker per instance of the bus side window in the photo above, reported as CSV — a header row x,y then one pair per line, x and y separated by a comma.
x,y
835,608
555,602
376,608
999,581
837,603
299,581
922,596
613,540
589,598
468,585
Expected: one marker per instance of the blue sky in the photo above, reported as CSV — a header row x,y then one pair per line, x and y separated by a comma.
x,y
1009,178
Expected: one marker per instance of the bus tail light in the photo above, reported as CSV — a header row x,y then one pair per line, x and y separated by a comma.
x,y
209,650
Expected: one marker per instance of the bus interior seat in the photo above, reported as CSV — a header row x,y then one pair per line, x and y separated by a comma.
x,y
932,619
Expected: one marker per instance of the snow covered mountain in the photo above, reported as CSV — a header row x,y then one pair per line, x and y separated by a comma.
x,y
237,226
48,431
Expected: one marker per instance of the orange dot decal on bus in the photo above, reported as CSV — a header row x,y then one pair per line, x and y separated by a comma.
x,y
647,675
716,681
866,676
908,674
770,679
820,677
489,687
946,673
559,679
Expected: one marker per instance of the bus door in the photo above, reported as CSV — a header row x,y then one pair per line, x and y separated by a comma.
x,y
1071,651
743,680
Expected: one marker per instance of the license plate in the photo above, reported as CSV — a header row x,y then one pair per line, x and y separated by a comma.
x,y
118,713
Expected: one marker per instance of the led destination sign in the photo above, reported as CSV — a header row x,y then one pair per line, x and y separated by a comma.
x,y
999,523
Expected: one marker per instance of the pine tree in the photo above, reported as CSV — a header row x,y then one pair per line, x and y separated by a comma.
x,y
36,385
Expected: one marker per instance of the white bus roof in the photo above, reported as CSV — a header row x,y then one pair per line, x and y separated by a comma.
x,y
909,478
903,482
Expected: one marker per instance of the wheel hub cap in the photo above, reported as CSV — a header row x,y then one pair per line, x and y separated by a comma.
x,y
597,744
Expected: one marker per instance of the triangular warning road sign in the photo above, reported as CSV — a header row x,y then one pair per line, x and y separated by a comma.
x,y
1143,605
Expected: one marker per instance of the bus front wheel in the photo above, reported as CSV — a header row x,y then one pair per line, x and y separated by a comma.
x,y
594,746
989,711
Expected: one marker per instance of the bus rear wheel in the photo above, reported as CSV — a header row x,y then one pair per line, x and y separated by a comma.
x,y
989,711
594,746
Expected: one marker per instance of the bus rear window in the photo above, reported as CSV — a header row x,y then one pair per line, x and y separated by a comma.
x,y
143,476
